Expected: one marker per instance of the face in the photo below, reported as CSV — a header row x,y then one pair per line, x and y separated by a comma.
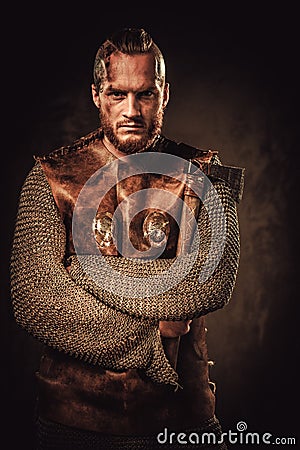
x,y
131,102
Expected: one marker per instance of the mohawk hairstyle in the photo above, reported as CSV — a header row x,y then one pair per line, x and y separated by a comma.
x,y
130,41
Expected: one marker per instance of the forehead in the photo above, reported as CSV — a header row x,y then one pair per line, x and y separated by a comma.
x,y
131,68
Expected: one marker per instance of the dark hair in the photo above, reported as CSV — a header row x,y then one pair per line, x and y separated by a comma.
x,y
130,41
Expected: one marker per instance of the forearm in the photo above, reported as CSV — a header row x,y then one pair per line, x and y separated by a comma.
x,y
48,303
188,298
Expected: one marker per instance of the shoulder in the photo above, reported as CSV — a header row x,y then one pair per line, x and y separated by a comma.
x,y
209,162
79,146
184,150
74,164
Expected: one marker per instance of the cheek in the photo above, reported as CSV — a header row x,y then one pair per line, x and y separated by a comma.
x,y
106,107
110,111
150,110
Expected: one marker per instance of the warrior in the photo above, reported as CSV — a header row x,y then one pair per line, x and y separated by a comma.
x,y
124,242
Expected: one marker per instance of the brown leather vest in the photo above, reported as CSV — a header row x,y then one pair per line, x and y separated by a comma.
x,y
77,394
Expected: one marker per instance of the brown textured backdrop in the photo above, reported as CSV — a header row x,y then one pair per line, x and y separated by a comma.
x,y
233,88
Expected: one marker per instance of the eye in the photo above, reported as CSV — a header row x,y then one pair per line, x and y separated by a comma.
x,y
147,94
117,95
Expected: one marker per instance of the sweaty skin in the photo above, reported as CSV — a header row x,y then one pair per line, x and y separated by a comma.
x,y
131,101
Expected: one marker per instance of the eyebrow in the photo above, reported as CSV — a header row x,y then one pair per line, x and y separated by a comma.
x,y
112,88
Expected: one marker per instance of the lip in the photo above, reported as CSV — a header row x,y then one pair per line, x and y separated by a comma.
x,y
127,127
131,125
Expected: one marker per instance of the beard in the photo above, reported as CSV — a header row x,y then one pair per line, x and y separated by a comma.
x,y
134,144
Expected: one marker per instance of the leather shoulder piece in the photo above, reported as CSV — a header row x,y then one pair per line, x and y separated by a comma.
x,y
207,161
180,149
75,146
233,177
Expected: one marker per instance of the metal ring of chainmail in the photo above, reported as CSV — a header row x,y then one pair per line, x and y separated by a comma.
x,y
70,312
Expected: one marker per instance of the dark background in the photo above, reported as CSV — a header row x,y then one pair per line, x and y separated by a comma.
x,y
234,84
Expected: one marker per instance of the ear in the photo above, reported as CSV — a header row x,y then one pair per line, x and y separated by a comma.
x,y
166,95
95,95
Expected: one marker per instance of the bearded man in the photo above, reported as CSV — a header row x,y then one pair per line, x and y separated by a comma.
x,y
125,362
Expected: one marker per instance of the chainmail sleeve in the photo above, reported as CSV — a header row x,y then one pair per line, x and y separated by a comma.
x,y
54,308
75,314
194,295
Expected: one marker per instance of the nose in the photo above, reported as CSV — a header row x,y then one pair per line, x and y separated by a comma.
x,y
132,107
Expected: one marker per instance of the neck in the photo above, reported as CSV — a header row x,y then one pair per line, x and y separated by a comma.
x,y
111,148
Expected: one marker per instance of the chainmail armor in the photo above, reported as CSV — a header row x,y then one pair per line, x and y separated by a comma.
x,y
71,313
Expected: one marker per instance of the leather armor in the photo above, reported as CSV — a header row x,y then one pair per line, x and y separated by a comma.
x,y
83,395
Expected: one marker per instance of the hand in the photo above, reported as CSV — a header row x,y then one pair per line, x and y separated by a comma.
x,y
172,329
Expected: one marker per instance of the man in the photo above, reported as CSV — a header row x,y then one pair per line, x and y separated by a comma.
x,y
125,362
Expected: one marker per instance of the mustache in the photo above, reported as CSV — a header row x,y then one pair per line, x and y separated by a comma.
x,y
133,122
